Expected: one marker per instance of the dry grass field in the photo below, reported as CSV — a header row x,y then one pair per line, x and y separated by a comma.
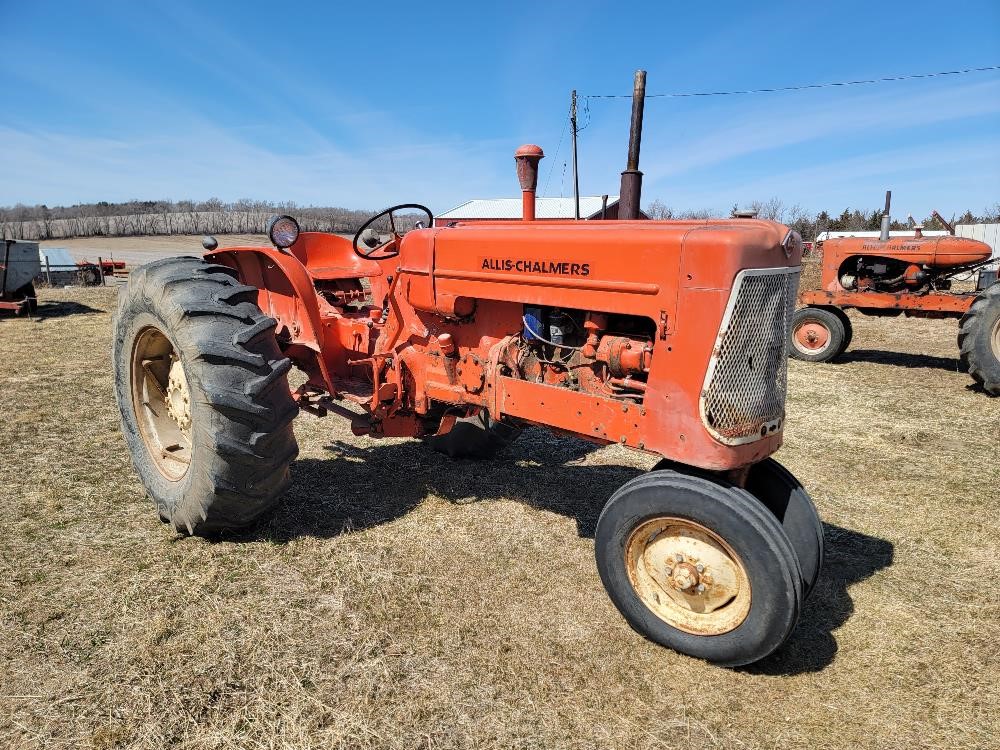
x,y
401,600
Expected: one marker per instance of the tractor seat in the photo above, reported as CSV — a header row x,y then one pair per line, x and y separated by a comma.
x,y
328,257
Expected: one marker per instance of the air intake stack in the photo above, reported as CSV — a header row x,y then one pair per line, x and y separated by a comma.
x,y
527,158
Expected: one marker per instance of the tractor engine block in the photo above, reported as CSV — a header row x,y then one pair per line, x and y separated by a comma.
x,y
599,353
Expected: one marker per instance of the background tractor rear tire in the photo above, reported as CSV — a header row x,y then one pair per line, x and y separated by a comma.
x,y
979,340
203,392
665,513
818,334
478,436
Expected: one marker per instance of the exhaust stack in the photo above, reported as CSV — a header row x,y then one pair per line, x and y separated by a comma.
x,y
631,189
884,235
527,158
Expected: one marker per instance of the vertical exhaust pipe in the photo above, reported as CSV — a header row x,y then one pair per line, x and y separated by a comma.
x,y
631,189
884,235
527,158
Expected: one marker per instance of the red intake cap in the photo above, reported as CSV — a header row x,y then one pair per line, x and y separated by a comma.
x,y
527,158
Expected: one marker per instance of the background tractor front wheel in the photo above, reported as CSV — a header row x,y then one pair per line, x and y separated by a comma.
x,y
203,393
699,566
979,340
818,334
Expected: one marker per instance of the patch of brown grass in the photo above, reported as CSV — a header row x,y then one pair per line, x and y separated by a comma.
x,y
397,599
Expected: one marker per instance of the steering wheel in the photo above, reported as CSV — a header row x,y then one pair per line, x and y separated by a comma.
x,y
378,245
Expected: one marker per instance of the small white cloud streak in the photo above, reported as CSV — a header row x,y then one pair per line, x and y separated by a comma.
x,y
952,177
64,169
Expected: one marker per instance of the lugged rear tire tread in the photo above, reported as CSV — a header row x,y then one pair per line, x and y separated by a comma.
x,y
242,409
974,331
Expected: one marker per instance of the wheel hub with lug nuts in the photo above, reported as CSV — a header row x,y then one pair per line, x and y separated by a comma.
x,y
688,576
178,397
812,336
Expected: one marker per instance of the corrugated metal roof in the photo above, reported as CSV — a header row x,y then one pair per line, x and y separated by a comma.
x,y
510,208
58,257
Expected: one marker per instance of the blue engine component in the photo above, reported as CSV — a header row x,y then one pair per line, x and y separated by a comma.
x,y
534,323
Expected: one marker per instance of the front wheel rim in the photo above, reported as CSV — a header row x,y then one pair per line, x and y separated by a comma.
x,y
161,402
811,337
688,576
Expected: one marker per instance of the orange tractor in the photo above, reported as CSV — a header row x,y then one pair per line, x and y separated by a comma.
x,y
909,276
668,337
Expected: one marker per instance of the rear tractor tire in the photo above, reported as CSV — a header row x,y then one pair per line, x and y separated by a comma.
x,y
979,340
819,334
203,392
478,436
699,566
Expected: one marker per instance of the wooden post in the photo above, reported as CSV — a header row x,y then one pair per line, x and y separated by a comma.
x,y
100,268
48,272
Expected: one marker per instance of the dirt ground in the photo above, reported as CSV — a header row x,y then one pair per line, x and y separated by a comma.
x,y
398,599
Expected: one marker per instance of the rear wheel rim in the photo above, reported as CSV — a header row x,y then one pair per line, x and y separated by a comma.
x,y
161,402
995,339
811,337
688,576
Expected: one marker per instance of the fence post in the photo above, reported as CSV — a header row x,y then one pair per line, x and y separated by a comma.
x,y
48,272
100,268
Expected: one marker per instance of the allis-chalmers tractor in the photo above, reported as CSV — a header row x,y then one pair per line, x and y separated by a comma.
x,y
911,276
668,337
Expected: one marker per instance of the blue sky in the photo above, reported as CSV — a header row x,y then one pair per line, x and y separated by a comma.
x,y
366,104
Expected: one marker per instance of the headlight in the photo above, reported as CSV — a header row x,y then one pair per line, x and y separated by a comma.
x,y
283,231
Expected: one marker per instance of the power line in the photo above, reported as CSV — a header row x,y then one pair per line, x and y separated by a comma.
x,y
679,95
545,190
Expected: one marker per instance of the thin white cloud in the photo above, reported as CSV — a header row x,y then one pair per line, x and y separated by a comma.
x,y
205,161
785,124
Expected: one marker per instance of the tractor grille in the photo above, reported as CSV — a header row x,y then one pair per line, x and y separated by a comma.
x,y
744,395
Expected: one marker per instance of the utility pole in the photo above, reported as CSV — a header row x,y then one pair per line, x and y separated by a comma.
x,y
576,171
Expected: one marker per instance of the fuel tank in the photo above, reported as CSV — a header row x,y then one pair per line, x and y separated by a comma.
x,y
936,252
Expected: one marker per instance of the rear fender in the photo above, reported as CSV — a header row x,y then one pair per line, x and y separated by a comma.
x,y
286,294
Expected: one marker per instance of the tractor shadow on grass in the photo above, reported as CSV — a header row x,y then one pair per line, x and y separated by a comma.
x,y
48,310
851,557
900,359
361,487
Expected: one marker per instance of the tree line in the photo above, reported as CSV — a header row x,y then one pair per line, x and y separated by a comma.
x,y
136,218
810,224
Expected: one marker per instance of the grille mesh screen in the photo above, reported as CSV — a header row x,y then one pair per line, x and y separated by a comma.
x,y
746,385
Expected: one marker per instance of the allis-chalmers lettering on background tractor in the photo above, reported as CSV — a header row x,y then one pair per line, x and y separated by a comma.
x,y
910,276
669,337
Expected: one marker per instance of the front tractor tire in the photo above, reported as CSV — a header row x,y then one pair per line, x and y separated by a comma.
x,y
979,340
699,566
203,392
819,334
